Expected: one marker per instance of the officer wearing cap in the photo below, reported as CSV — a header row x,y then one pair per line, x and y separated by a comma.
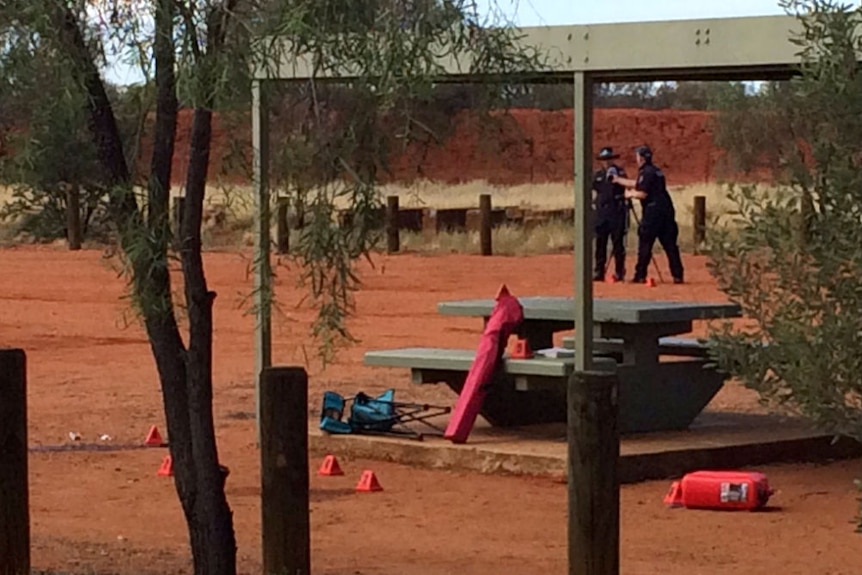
x,y
659,217
611,216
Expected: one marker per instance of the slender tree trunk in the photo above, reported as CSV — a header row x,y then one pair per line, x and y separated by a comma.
x,y
215,548
211,524
103,123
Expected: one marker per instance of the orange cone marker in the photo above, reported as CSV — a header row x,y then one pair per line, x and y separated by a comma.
x,y
154,438
650,282
167,467
330,467
521,349
368,482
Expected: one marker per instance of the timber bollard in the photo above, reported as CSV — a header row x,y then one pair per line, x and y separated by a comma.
x,y
282,232
593,481
285,527
699,222
485,224
14,472
179,211
392,233
73,218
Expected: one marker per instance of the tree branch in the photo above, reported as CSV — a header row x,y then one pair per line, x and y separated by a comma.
x,y
189,19
200,300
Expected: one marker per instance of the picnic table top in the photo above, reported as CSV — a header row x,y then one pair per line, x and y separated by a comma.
x,y
604,310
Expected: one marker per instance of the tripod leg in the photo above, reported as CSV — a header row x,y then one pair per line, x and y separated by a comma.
x,y
657,269
652,256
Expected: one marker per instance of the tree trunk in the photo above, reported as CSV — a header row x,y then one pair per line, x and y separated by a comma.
x,y
103,123
215,548
211,521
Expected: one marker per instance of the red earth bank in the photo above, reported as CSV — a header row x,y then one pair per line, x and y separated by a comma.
x,y
533,146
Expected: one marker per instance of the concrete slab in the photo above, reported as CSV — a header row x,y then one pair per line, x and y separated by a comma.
x,y
717,440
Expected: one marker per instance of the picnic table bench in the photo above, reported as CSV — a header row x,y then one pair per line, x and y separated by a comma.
x,y
520,389
634,335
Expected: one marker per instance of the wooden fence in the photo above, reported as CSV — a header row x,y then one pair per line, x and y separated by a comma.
x,y
428,221
431,221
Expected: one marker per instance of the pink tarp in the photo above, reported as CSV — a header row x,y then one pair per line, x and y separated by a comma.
x,y
505,318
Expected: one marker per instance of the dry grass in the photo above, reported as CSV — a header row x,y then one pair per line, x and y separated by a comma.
x,y
507,240
237,203
422,194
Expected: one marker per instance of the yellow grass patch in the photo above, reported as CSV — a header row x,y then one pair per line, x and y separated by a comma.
x,y
238,204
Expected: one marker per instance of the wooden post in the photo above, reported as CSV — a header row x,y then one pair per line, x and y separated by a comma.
x,y
14,489
485,223
392,236
286,532
179,210
73,218
699,222
282,231
594,492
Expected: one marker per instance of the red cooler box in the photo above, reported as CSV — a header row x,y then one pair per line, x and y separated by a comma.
x,y
729,490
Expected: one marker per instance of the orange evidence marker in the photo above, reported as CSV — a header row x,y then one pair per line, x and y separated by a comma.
x,y
368,482
154,438
167,467
650,282
330,467
521,350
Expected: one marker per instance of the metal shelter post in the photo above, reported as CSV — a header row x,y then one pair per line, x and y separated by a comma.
x,y
583,146
262,265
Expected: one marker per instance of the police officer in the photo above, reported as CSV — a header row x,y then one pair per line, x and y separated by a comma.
x,y
611,216
659,217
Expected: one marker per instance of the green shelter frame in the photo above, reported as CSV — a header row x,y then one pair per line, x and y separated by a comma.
x,y
746,48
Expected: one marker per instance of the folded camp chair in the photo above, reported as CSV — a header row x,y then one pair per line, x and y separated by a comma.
x,y
380,415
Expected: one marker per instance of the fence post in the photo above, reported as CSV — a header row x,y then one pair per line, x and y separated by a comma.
x,y
286,534
179,210
392,233
485,224
73,217
282,231
593,482
14,472
699,222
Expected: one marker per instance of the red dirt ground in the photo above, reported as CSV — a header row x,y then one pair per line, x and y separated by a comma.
x,y
533,146
109,512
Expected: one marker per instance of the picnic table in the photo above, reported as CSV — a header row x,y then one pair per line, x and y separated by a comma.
x,y
654,395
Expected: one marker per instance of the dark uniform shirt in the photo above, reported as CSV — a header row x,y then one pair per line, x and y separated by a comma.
x,y
610,198
651,181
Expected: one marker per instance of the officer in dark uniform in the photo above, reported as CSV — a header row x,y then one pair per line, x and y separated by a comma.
x,y
659,217
611,216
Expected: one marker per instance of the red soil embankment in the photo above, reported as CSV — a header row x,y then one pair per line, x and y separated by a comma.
x,y
532,146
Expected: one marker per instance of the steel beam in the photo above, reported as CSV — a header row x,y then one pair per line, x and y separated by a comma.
x,y
262,265
712,48
584,237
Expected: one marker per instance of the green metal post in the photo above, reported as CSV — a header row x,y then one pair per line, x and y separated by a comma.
x,y
262,265
583,118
